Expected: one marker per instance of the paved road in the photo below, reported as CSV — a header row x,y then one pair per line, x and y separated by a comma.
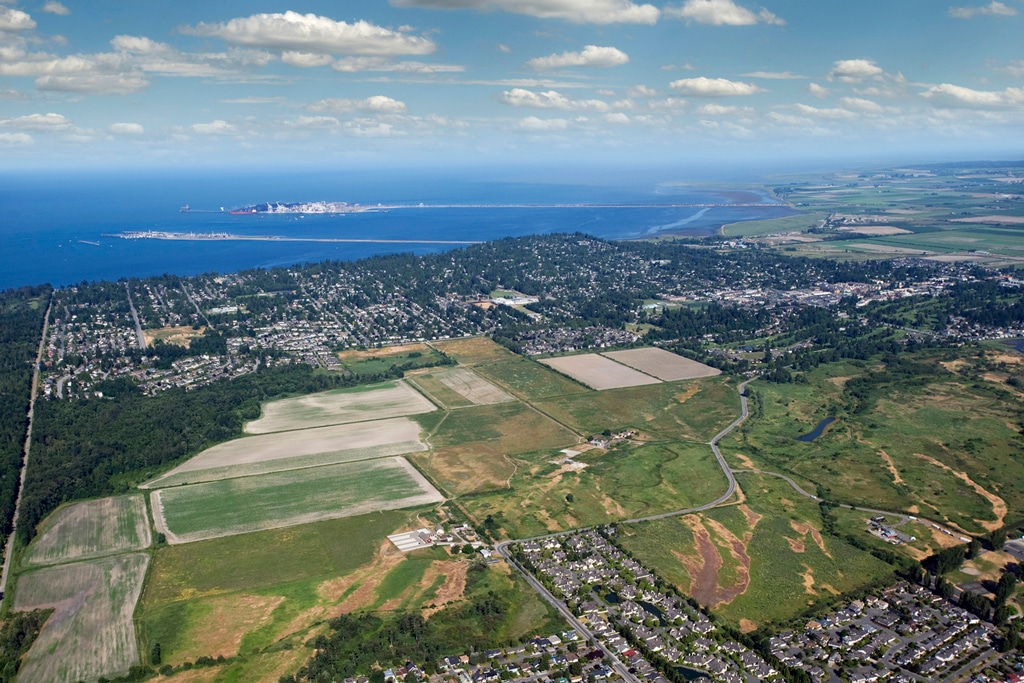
x,y
135,317
9,548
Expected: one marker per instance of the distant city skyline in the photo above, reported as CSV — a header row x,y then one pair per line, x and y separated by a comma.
x,y
449,82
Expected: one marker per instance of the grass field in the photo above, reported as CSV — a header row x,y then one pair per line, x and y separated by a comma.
x,y
912,451
629,481
181,336
374,361
695,410
474,351
798,223
91,528
763,561
529,379
471,386
472,444
235,506
260,597
91,632
292,450
340,406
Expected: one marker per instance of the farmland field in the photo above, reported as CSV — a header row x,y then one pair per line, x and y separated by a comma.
x,y
692,411
470,386
529,380
91,632
598,372
293,450
92,528
474,350
471,447
340,406
235,506
662,364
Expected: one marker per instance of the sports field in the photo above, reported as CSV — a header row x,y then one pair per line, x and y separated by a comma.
x,y
664,365
91,632
292,450
340,406
92,528
598,372
236,506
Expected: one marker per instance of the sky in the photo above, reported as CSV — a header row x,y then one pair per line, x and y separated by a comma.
x,y
151,83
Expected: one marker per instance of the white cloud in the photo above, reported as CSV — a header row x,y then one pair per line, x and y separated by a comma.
x,y
616,117
140,45
955,95
713,87
721,13
54,7
993,9
718,110
305,59
833,114
668,105
253,100
854,70
774,75
817,90
552,99
590,56
94,83
126,129
862,105
311,33
16,139
1015,67
641,91
216,127
371,129
15,20
38,122
532,123
578,11
357,64
504,48
313,122
380,104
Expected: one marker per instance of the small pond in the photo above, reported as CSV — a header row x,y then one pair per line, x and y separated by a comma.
x,y
816,432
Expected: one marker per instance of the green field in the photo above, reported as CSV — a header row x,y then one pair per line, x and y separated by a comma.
x,y
340,406
693,409
529,379
799,223
91,632
910,450
236,506
438,392
772,566
91,528
376,363
627,482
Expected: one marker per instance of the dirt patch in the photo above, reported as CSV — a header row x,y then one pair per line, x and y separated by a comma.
x,y
221,631
684,396
808,578
703,568
896,478
747,626
752,517
388,557
738,550
876,230
914,509
454,586
180,336
795,544
745,461
355,354
953,365
839,381
999,508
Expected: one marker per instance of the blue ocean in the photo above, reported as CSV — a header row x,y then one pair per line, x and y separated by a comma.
x,y
62,228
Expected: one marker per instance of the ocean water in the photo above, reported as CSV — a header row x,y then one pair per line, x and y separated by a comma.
x,y
61,228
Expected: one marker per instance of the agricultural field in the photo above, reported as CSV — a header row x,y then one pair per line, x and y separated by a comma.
x,y
236,506
529,380
598,372
282,451
907,448
91,528
665,365
468,387
91,632
597,487
382,360
472,446
762,561
474,351
692,411
340,406
259,598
